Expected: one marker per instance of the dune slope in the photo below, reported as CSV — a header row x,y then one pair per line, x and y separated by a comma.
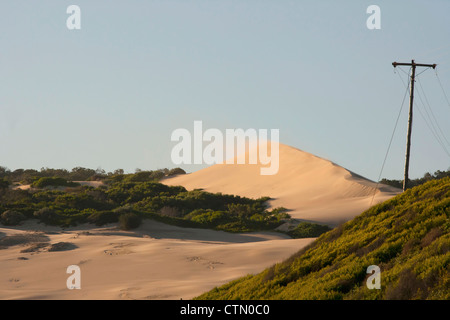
x,y
314,189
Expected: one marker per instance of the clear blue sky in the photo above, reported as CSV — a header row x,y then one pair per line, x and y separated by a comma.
x,y
109,95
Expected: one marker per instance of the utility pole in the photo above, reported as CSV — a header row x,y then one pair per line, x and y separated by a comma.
x,y
410,117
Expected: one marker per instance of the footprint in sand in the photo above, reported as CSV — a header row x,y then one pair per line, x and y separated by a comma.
x,y
119,249
81,233
208,263
125,293
45,246
83,261
128,292
159,297
212,264
194,258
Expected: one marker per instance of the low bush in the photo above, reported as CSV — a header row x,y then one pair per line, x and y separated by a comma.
x,y
308,230
11,218
128,221
47,215
100,218
4,183
54,182
175,171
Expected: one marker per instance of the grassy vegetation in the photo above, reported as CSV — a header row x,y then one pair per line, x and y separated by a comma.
x,y
29,176
308,230
417,182
407,237
53,182
128,198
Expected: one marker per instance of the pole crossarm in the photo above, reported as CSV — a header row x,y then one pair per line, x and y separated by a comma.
x,y
395,64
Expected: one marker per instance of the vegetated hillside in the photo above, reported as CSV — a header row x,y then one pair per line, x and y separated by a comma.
x,y
407,237
128,198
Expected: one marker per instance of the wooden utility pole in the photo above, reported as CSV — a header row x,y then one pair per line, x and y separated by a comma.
x,y
410,118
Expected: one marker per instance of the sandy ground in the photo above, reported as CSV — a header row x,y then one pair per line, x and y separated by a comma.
x,y
312,188
94,184
155,261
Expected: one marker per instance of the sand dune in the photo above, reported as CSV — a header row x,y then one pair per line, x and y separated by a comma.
x,y
313,188
155,261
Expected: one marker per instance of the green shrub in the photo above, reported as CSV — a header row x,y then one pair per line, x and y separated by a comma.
x,y
308,230
207,217
11,218
4,183
100,218
408,287
51,181
175,171
123,209
128,221
47,215
388,251
145,176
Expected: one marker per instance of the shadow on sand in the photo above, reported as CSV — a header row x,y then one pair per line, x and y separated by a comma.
x,y
157,230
